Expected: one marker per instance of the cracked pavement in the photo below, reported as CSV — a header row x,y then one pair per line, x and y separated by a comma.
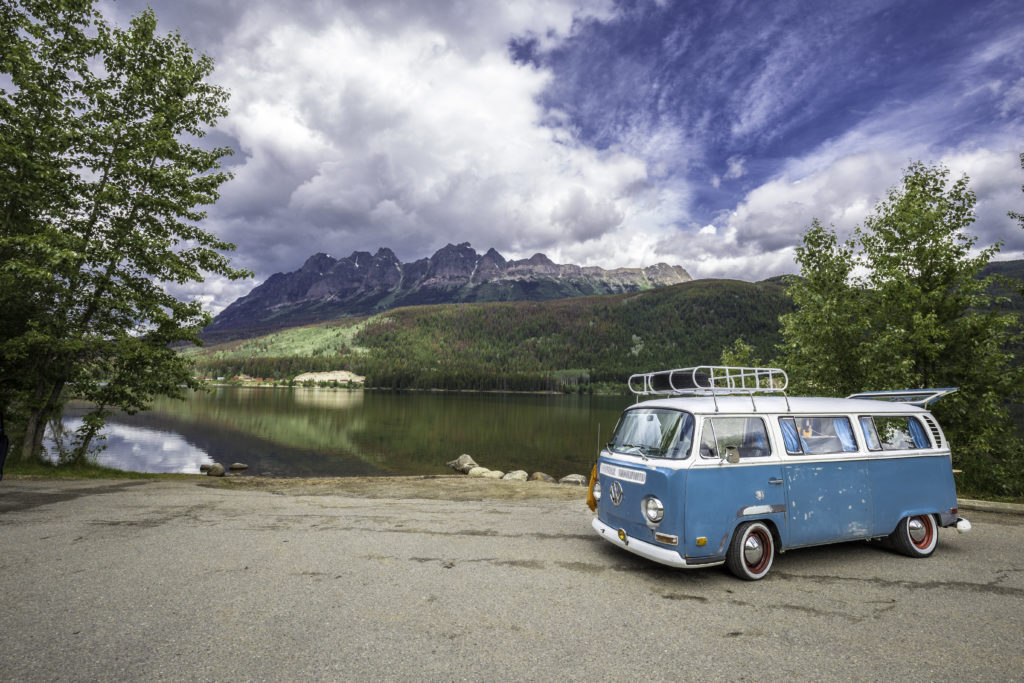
x,y
177,580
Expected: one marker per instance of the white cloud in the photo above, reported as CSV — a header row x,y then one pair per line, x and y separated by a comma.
x,y
759,237
215,293
1012,99
400,123
737,168
359,135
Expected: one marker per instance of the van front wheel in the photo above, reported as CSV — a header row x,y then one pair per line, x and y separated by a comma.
x,y
915,536
751,551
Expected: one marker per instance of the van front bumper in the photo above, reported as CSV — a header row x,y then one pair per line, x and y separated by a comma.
x,y
648,550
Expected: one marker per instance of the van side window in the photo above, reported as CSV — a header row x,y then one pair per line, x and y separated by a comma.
x,y
900,432
747,434
867,426
817,435
790,437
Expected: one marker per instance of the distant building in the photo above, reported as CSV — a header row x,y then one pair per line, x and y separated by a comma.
x,y
342,376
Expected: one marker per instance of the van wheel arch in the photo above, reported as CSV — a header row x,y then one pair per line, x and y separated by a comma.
x,y
915,535
752,550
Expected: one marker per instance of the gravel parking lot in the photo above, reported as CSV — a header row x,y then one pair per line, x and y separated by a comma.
x,y
458,579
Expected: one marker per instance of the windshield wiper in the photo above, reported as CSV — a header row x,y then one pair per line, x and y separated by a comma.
x,y
642,449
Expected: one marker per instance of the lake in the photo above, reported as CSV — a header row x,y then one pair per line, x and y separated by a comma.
x,y
312,432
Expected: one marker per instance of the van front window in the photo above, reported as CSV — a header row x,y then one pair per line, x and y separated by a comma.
x,y
654,433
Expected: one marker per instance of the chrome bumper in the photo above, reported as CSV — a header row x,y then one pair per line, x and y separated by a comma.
x,y
643,549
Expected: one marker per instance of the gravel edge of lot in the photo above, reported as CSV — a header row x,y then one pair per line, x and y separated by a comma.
x,y
455,487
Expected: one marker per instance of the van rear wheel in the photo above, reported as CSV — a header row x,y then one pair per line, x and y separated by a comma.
x,y
751,551
915,536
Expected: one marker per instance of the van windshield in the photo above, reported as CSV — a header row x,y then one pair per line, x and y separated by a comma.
x,y
654,433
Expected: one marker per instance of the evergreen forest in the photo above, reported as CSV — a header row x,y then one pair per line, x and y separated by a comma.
x,y
563,345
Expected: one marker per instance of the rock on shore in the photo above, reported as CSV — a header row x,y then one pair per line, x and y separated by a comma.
x,y
464,463
468,466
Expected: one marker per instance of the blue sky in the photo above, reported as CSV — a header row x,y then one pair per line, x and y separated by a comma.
x,y
703,134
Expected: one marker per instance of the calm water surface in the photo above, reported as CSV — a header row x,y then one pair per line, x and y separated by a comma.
x,y
328,432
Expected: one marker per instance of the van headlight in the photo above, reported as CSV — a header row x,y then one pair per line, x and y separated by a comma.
x,y
597,490
653,509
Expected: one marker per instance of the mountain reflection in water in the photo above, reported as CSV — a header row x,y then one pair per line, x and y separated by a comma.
x,y
305,431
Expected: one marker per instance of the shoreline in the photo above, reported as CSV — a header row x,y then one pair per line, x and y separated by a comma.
x,y
277,385
450,487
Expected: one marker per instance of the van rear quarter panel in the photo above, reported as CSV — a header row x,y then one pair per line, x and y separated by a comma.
x,y
904,486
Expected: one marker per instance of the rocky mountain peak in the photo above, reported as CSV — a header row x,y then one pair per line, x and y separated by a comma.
x,y
325,288
318,263
386,255
539,259
452,262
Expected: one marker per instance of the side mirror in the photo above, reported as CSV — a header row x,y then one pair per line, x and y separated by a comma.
x,y
732,454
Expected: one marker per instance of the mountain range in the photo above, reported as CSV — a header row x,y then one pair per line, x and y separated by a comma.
x,y
325,288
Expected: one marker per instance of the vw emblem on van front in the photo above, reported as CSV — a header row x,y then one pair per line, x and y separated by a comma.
x,y
615,492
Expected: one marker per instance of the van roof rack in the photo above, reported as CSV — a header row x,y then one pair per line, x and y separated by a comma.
x,y
915,397
711,380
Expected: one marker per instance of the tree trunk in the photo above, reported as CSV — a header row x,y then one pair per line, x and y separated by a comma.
x,y
35,425
82,450
92,428
32,443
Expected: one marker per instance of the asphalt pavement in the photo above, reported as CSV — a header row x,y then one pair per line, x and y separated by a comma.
x,y
174,580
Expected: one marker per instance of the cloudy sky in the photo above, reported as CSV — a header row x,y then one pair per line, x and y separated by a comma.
x,y
703,134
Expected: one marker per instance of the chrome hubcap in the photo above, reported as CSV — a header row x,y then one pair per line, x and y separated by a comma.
x,y
917,530
753,550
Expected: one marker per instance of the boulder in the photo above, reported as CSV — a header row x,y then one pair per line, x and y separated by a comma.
x,y
216,470
493,474
516,475
574,480
541,476
464,463
236,466
478,471
204,468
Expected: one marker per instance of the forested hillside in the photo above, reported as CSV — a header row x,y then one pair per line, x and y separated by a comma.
x,y
1013,289
565,344
561,345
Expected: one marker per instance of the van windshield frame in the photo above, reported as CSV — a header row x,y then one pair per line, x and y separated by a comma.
x,y
654,433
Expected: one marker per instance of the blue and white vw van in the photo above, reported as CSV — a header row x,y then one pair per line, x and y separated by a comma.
x,y
725,467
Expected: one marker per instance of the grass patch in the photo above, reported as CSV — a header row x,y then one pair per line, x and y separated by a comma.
x,y
324,339
990,497
86,470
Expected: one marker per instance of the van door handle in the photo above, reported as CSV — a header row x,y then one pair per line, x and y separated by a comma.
x,y
774,481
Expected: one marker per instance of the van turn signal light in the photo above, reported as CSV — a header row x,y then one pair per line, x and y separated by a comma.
x,y
702,541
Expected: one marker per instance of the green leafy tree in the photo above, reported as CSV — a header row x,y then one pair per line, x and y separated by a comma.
x,y
101,186
740,354
903,305
816,337
1019,217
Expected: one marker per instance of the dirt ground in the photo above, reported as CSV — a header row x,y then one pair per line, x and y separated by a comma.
x,y
454,487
